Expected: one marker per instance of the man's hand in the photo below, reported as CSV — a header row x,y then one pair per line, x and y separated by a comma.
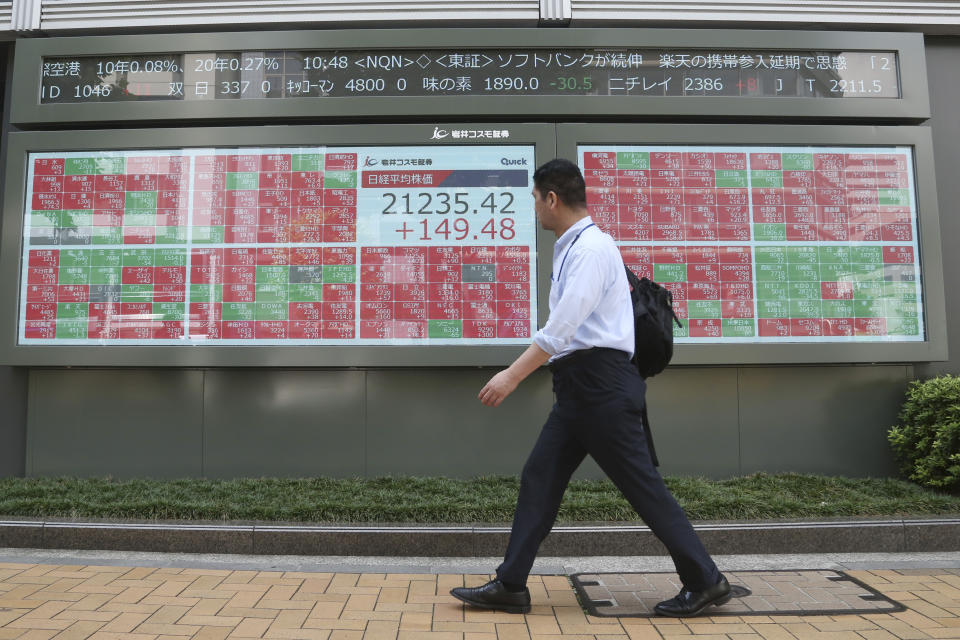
x,y
503,384
498,388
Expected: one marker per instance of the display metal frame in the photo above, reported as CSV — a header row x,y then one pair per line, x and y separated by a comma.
x,y
912,105
21,144
933,348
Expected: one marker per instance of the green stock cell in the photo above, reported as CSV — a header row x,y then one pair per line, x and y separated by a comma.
x,y
804,290
704,309
771,273
866,255
905,290
107,257
806,309
766,179
169,311
204,235
105,275
136,293
73,218
340,180
836,272
171,257
633,160
868,290
773,309
772,291
306,292
206,293
737,328
803,255
110,166
272,293
244,181
339,273
307,162
803,272
72,310
770,231
837,308
894,197
75,258
45,218
139,257
271,310
238,311
834,255
681,332
273,275
867,272
730,179
445,328
797,161
670,272
140,200
900,308
770,255
72,329
903,326
80,166
171,235
139,217
868,308
74,275
107,235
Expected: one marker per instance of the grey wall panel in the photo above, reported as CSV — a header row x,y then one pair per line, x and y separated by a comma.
x,y
431,423
13,421
121,423
283,423
942,56
98,14
830,420
694,421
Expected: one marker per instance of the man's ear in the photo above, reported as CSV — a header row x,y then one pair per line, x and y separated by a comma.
x,y
552,199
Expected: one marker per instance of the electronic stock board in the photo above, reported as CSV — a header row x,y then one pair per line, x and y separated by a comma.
x,y
353,244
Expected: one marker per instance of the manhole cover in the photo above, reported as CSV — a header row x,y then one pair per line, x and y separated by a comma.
x,y
813,592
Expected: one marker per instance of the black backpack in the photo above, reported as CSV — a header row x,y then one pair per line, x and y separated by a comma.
x,y
653,319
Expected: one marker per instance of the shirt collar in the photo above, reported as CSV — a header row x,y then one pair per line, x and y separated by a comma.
x,y
572,232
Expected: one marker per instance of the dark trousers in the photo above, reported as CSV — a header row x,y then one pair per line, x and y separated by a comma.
x,y
599,400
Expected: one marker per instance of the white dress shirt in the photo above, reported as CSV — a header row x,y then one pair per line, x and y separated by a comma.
x,y
589,296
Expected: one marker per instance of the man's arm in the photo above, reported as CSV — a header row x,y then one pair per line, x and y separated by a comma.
x,y
502,384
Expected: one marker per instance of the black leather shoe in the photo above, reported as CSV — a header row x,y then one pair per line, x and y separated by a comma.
x,y
494,595
692,603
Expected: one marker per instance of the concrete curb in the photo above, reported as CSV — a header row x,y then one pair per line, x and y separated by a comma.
x,y
721,538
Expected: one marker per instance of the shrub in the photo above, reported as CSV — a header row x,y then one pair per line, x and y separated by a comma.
x,y
927,440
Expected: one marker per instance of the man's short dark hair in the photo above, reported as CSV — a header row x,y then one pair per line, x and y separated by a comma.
x,y
564,179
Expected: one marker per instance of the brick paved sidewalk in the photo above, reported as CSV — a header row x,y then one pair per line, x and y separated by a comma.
x,y
38,602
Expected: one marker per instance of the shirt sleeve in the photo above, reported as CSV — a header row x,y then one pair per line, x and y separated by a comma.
x,y
583,288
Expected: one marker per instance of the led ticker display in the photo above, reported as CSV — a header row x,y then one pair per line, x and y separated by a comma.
x,y
768,244
559,71
280,246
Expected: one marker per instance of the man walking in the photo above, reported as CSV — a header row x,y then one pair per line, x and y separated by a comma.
x,y
588,341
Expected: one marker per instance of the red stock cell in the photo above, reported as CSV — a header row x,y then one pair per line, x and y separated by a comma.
x,y
828,161
600,160
898,255
798,179
513,291
209,217
204,274
233,274
870,326
733,197
410,329
410,273
141,182
450,273
242,198
239,330
837,326
666,160
243,256
599,196
479,255
773,327
480,328
206,330
275,162
669,255
733,214
43,258
806,327
42,275
444,255
333,310
305,311
666,214
206,311
310,180
855,161
142,164
49,166
339,233
891,162
477,310
832,215
274,180
666,196
168,330
896,232
339,197
605,178
631,232
479,292
137,275
42,292
513,273
240,216
703,291
802,232
836,290
864,232
40,330
633,197
47,201
171,218
273,256
304,256
237,234
893,180
243,163
340,161
698,160
103,330
795,196
306,197
765,162
110,183
211,164
677,289
209,199
769,214
863,214
863,197
634,214
376,329
139,235
768,197
216,182
337,330
736,309
376,273
104,311
305,330
334,292
698,214
833,232
666,179
47,184
172,182
513,255
41,311
79,184
306,233
411,310
735,273
172,200
736,291
513,328
680,308
377,310
170,275
703,255
705,328
634,179
512,310
733,232
410,256
339,255
730,161
829,180
273,235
